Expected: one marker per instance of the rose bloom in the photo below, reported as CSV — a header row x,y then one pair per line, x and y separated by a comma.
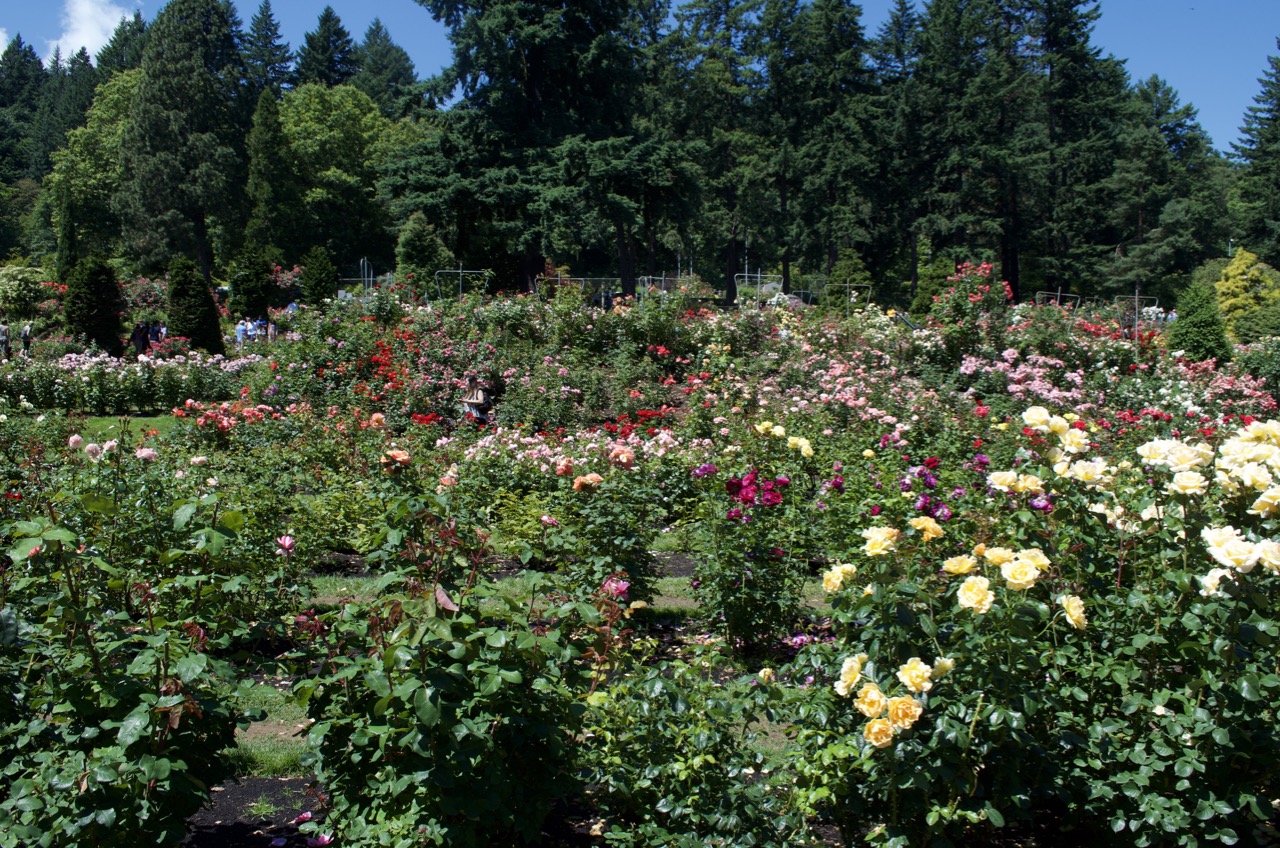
x,y
878,732
589,481
377,420
974,594
1074,441
834,577
850,672
564,467
997,556
1266,504
394,460
1240,554
622,456
764,427
94,450
1058,425
199,460
766,675
1188,483
928,528
904,711
1002,480
1211,583
1216,537
75,442
778,431
1029,483
1035,556
1269,555
915,675
870,701
1037,418
962,564
880,540
1074,607
1020,574
145,454
942,667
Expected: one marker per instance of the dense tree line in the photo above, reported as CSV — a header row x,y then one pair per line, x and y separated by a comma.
x,y
630,138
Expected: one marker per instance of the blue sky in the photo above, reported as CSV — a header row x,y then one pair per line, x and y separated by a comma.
x,y
1211,51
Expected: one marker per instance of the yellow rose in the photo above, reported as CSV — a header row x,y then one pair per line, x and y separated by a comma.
x,y
1269,555
961,564
1037,418
834,577
1035,556
1188,483
1029,483
767,675
1216,537
778,431
904,711
870,701
1058,425
1002,481
850,671
997,556
1002,426
764,427
1074,441
1254,476
1266,504
1239,554
806,449
1180,457
868,453
793,443
974,594
1074,608
880,540
915,675
1211,583
942,667
928,528
1020,574
879,733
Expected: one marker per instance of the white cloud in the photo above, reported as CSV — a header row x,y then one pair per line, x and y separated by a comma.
x,y
4,36
88,24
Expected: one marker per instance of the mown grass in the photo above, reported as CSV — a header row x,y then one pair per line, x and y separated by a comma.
x,y
272,746
105,427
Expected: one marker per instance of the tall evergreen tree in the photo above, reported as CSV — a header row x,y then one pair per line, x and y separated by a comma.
x,y
273,188
386,72
1200,330
93,303
192,313
22,76
267,57
181,158
124,51
1259,149
64,100
328,55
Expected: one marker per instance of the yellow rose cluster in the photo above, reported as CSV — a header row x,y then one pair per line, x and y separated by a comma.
x,y
833,579
1020,570
768,428
888,716
880,540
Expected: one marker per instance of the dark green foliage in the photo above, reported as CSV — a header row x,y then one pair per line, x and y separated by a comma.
x,y
252,286
273,188
267,58
319,278
181,153
192,313
94,304
65,97
420,253
328,55
386,72
1258,324
1200,330
21,78
124,51
1259,148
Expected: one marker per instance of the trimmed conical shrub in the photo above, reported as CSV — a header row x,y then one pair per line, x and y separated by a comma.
x,y
1200,331
94,303
192,312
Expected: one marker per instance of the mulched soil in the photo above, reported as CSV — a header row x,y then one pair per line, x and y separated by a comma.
x,y
251,813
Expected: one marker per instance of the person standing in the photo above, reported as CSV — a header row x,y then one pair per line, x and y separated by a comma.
x,y
5,351
26,340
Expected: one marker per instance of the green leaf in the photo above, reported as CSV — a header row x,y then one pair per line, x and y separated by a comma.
x,y
189,667
134,725
99,504
232,520
8,627
994,816
59,534
183,514
428,713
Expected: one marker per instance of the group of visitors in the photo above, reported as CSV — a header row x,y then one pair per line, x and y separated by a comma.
x,y
249,330
146,335
6,339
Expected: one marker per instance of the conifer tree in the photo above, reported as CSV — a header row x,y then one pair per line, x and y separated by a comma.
x,y
192,312
273,188
1259,147
1199,331
267,58
328,55
181,146
124,51
420,253
319,279
93,303
386,72
22,76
